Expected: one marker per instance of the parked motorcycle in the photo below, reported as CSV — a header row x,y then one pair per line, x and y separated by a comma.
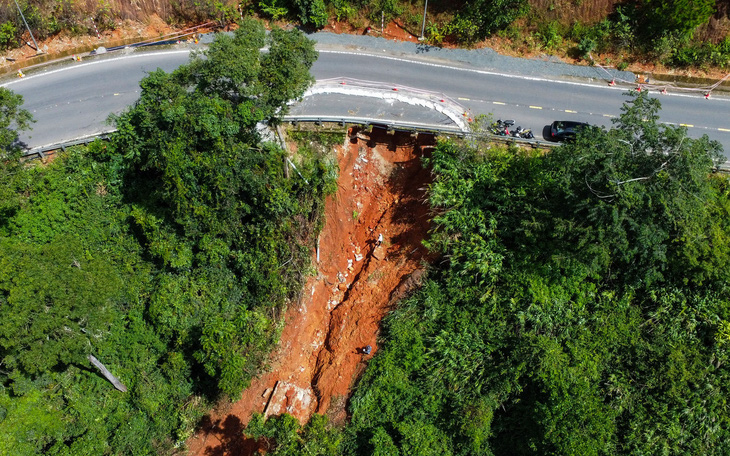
x,y
501,127
524,133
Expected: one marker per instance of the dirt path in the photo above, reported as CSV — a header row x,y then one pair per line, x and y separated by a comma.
x,y
380,190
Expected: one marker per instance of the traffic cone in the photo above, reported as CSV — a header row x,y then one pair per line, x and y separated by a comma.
x,y
612,83
707,96
664,91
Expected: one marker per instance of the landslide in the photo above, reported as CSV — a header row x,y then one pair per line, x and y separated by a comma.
x,y
381,190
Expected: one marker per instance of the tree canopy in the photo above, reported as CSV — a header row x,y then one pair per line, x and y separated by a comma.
x,y
582,308
168,254
13,119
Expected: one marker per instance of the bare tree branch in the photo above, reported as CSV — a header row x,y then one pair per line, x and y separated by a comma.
x,y
109,376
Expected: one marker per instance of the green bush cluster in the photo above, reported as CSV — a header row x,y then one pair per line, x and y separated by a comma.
x,y
168,254
664,33
49,17
699,54
284,436
581,307
662,30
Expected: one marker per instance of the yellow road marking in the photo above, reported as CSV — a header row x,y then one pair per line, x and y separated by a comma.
x,y
464,99
608,115
723,129
571,111
686,125
498,102
535,107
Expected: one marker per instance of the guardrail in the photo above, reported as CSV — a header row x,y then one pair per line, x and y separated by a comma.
x,y
416,128
39,152
380,123
385,91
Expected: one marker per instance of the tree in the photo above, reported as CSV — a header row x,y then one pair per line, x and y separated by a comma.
x,y
284,436
167,254
480,18
210,197
663,17
312,12
643,197
13,119
579,307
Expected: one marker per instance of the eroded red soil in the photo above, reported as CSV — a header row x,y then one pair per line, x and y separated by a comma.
x,y
381,190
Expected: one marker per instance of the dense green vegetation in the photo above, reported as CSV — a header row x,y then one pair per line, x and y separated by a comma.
x,y
582,307
676,33
168,254
665,31
50,17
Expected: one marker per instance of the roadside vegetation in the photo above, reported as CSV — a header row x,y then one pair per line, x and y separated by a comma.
x,y
168,254
581,307
673,33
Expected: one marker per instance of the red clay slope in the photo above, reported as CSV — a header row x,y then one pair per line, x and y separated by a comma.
x,y
381,189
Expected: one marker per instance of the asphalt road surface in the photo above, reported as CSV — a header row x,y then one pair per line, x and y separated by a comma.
x,y
73,99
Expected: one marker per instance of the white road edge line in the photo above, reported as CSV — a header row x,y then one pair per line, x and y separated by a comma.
x,y
97,62
495,73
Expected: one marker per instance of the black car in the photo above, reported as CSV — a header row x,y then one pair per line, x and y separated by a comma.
x,y
563,130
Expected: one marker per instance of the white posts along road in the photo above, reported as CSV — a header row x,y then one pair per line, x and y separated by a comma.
x,y
73,99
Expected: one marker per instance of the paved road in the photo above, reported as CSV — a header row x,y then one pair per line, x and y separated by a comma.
x,y
74,99
534,102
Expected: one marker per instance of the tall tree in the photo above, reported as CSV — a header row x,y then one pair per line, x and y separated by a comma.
x,y
210,196
13,118
581,307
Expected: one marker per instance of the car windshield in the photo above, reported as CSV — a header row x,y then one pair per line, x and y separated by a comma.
x,y
567,126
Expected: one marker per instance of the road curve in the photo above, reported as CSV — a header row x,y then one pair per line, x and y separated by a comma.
x,y
72,99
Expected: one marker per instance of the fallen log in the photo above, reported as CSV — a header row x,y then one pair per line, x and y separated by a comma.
x,y
109,376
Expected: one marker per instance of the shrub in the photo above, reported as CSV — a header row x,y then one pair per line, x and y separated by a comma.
x,y
312,12
8,34
550,35
586,46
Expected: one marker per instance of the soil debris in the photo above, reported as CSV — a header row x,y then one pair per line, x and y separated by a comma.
x,y
322,349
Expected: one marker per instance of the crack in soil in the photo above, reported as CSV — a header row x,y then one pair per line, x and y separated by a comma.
x,y
381,190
